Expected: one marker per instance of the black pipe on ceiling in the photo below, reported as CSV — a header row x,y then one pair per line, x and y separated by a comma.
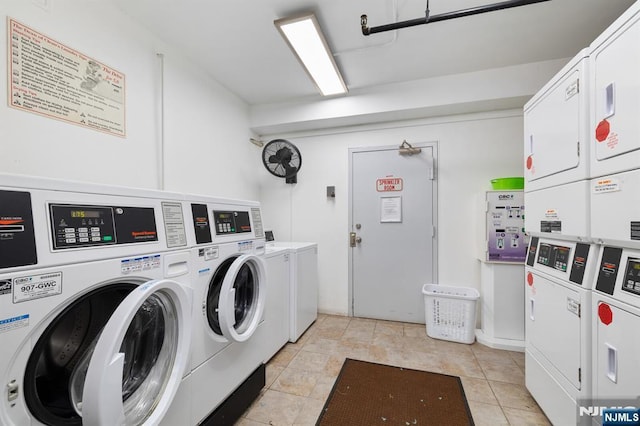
x,y
444,16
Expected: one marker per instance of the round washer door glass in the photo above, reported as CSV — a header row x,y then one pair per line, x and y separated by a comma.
x,y
61,347
129,380
236,297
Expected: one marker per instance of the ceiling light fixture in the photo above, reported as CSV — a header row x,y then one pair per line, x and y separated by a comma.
x,y
303,35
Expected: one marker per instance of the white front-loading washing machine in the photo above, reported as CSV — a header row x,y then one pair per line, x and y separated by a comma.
x,y
95,309
230,288
559,276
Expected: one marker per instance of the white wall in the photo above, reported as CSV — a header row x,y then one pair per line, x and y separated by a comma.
x,y
207,148
206,127
472,150
206,145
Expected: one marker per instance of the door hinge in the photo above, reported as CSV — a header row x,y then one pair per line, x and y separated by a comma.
x,y
433,231
578,144
580,375
580,310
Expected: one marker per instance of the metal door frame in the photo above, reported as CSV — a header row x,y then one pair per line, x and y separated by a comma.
x,y
434,147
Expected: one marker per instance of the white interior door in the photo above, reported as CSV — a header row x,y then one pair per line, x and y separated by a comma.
x,y
393,205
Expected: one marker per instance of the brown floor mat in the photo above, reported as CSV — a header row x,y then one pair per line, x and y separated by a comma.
x,y
369,394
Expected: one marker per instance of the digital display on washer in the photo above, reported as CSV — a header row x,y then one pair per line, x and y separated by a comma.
x,y
553,256
231,222
89,214
631,281
75,226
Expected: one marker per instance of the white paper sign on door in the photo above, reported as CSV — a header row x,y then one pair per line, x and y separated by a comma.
x,y
391,209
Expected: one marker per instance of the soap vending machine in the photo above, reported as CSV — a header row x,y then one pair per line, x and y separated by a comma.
x,y
505,237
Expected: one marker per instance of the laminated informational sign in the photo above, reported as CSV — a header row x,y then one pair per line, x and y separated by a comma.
x,y
51,79
506,241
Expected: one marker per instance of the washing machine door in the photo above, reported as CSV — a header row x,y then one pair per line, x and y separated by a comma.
x,y
242,298
132,380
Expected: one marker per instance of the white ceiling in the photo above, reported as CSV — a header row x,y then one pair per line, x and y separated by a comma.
x,y
238,44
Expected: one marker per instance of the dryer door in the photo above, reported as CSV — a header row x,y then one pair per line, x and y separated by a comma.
x,y
242,298
139,358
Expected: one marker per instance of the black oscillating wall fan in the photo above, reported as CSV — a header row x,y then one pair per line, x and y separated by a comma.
x,y
282,159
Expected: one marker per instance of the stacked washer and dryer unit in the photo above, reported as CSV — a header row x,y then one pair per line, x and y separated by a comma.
x,y
615,211
582,153
95,304
561,258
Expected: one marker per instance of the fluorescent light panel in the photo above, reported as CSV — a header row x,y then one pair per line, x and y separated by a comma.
x,y
304,37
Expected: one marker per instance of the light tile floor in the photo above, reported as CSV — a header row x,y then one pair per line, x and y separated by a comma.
x,y
301,375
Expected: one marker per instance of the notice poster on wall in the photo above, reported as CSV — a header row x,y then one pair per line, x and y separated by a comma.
x,y
53,80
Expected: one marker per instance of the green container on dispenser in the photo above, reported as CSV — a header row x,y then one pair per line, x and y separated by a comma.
x,y
507,183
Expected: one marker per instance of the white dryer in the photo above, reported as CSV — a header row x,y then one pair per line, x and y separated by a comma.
x,y
615,96
277,311
616,319
556,147
230,288
556,128
303,282
95,310
559,276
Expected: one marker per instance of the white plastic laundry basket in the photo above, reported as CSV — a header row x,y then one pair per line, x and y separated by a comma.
x,y
450,312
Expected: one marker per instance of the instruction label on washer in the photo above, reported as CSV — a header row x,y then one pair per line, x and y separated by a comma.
x,y
8,324
36,286
209,253
573,306
174,224
606,185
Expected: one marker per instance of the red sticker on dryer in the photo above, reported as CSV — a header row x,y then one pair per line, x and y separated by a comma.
x,y
602,131
605,313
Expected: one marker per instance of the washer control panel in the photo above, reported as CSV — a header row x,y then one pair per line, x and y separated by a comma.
x,y
631,281
90,225
231,222
553,256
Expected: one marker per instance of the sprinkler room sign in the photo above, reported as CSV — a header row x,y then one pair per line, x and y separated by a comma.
x,y
53,80
389,184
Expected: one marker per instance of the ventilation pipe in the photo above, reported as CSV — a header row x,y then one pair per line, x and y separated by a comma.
x,y
443,16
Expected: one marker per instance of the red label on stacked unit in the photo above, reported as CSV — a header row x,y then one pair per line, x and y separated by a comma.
x,y
602,131
605,313
530,279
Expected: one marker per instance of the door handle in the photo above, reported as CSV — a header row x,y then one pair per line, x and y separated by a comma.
x,y
532,315
609,100
612,363
353,239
